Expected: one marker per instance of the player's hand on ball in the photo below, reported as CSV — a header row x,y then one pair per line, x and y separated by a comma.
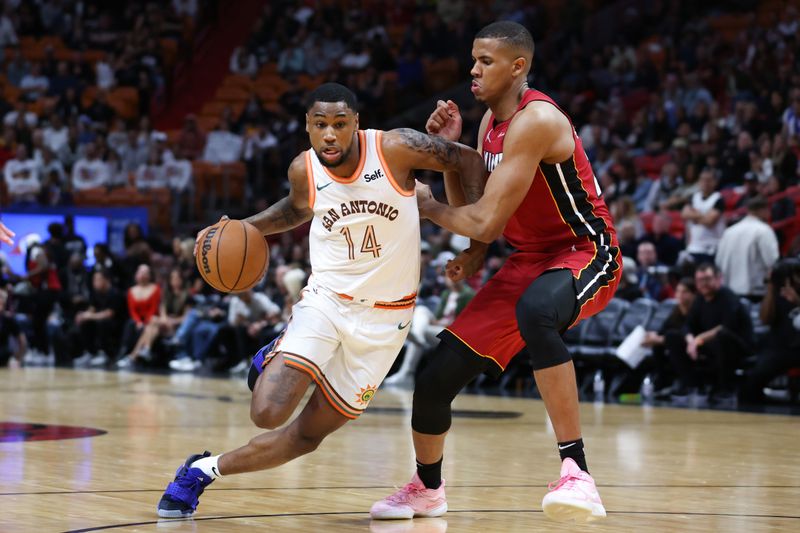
x,y
425,198
466,264
201,234
445,121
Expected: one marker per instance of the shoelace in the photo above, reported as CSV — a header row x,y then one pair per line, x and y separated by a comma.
x,y
403,494
567,481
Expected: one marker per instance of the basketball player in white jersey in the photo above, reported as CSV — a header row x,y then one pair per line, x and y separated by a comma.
x,y
357,188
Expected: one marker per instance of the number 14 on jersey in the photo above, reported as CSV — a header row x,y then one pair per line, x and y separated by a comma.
x,y
369,244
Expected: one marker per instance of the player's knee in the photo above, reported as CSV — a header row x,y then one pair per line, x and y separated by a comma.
x,y
432,387
535,315
304,443
268,416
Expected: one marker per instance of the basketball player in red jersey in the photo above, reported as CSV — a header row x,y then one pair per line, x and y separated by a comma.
x,y
6,235
541,195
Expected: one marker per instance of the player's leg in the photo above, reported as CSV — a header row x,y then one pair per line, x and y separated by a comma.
x,y
438,384
277,392
545,310
317,420
280,385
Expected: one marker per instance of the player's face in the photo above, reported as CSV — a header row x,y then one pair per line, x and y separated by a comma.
x,y
331,128
495,67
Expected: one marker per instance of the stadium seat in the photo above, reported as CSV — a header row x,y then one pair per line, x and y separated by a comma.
x,y
660,315
596,335
637,314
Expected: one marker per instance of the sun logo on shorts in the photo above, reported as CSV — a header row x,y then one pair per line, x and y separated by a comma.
x,y
365,395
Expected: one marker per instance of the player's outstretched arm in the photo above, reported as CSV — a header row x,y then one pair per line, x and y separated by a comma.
x,y
291,211
530,137
407,150
6,235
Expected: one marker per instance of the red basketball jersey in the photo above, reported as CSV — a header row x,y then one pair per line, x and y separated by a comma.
x,y
564,207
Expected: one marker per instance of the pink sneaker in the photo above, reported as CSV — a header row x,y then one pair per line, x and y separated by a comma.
x,y
413,500
574,497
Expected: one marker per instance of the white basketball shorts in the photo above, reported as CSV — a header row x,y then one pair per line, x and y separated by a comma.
x,y
347,348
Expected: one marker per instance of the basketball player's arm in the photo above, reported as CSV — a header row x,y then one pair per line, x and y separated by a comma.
x,y
291,211
407,150
530,137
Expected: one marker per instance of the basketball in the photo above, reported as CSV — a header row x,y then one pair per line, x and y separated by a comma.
x,y
232,256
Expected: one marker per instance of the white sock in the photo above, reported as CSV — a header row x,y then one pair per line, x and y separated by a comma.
x,y
209,466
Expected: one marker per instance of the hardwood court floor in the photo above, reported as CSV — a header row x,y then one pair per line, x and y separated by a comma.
x,y
658,469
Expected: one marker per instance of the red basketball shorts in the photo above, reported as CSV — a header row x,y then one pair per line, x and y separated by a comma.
x,y
488,326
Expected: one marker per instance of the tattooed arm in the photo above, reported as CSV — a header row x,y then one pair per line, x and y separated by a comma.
x,y
407,150
291,211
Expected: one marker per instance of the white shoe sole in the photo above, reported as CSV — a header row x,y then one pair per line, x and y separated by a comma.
x,y
407,514
572,511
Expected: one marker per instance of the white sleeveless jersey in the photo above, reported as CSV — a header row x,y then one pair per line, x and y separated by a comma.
x,y
365,235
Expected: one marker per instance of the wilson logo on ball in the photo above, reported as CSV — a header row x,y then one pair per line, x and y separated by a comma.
x,y
206,248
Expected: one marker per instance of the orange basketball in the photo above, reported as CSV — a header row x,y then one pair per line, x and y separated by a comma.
x,y
232,256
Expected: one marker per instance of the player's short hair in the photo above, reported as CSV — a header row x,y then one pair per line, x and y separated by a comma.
x,y
332,92
514,34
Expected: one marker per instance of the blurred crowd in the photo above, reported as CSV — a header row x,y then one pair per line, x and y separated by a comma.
x,y
690,114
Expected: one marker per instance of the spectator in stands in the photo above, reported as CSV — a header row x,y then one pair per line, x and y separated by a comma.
x,y
144,299
104,73
69,105
73,242
75,296
151,175
99,110
670,337
719,334
22,177
12,118
191,140
105,261
292,59
667,246
222,145
252,314
198,332
260,154
779,310
243,62
185,8
8,34
42,275
782,208
626,231
784,160
623,209
747,251
704,219
651,273
63,80
791,117
90,172
9,329
17,68
172,312
426,325
34,84
56,134
97,330
664,188
629,282
736,160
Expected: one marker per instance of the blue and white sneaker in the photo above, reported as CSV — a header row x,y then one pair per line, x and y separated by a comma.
x,y
182,495
257,366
